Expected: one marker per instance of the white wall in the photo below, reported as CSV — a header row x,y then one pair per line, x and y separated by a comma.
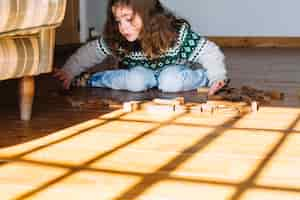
x,y
223,17
92,14
240,17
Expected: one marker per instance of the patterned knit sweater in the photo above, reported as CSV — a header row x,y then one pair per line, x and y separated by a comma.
x,y
190,47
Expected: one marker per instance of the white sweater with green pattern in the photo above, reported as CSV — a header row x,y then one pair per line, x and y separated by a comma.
x,y
190,48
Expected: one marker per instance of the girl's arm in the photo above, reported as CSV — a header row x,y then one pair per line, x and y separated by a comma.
x,y
85,57
212,59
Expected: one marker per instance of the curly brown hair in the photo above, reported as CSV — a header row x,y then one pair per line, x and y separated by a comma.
x,y
159,32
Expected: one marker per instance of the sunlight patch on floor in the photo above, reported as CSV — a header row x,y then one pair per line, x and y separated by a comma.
x,y
88,185
256,194
60,135
176,190
283,168
90,144
18,177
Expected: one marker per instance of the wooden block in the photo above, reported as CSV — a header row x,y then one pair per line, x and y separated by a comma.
x,y
196,109
226,103
131,106
245,109
203,90
215,97
113,104
228,107
74,103
155,108
180,100
227,110
275,95
254,106
181,108
246,99
189,107
175,101
207,107
127,107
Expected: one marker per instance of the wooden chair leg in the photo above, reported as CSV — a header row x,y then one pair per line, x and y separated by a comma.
x,y
26,97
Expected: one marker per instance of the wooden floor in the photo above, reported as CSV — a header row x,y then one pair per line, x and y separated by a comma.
x,y
89,152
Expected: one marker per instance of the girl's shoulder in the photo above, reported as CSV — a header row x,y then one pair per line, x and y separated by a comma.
x,y
185,32
102,46
187,39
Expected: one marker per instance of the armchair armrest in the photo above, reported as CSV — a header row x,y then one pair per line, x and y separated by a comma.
x,y
20,15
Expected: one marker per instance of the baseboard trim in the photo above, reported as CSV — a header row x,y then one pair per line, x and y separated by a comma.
x,y
286,42
280,42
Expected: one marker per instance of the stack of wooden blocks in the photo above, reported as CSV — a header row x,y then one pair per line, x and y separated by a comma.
x,y
227,101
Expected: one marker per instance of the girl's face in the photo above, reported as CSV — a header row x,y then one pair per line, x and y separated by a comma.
x,y
129,24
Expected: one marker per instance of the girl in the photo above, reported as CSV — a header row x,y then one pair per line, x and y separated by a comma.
x,y
154,49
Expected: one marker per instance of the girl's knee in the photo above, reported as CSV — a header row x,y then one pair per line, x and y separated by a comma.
x,y
181,78
170,79
140,79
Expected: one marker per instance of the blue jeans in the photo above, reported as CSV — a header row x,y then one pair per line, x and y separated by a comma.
x,y
173,78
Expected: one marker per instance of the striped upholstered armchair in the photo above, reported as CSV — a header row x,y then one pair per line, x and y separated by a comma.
x,y
27,39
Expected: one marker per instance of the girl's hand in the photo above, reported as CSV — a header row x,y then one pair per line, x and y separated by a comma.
x,y
216,86
63,77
